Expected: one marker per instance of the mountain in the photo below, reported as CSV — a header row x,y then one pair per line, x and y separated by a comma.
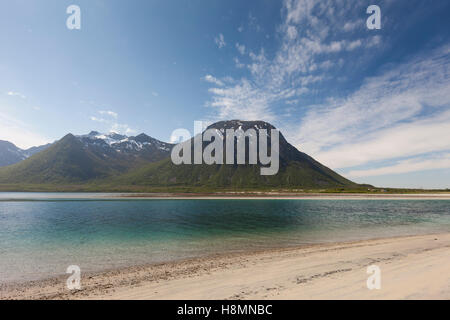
x,y
296,169
78,159
113,146
10,154
33,150
106,162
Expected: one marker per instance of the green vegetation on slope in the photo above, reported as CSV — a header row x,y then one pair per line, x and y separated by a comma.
x,y
291,175
64,162
71,164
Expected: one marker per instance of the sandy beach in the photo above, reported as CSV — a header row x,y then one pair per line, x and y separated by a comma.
x,y
415,267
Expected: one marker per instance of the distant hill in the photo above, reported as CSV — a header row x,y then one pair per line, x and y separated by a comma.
x,y
10,154
78,159
115,162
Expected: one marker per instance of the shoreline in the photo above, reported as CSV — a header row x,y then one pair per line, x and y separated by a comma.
x,y
317,271
289,196
18,196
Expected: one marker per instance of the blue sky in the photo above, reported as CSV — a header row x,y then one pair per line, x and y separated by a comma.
x,y
372,104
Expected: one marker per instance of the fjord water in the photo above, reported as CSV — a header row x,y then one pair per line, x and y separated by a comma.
x,y
42,237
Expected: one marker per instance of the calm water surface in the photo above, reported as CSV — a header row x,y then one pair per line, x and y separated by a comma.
x,y
41,238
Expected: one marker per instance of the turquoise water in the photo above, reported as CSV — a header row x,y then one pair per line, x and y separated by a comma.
x,y
42,238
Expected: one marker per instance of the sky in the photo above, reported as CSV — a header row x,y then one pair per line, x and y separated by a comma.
x,y
372,104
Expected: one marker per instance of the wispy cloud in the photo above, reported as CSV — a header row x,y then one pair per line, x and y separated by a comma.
x,y
242,101
240,48
405,166
253,23
238,63
353,25
403,112
109,113
16,94
301,61
122,128
110,119
99,119
209,78
402,140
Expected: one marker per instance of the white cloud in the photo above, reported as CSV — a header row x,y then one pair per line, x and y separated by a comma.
x,y
401,113
242,101
155,94
291,32
16,94
302,60
240,48
253,23
220,41
112,123
415,138
98,119
109,113
405,166
238,63
354,44
374,41
352,25
209,78
122,128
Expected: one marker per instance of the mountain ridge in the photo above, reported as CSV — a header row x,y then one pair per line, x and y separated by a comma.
x,y
81,158
297,169
11,154
142,162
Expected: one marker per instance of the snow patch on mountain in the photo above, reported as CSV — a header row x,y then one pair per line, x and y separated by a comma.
x,y
121,143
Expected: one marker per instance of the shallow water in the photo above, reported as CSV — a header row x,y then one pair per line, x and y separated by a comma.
x,y
42,238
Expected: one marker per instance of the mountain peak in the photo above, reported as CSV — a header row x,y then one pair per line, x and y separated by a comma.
x,y
145,161
68,136
116,136
240,124
142,138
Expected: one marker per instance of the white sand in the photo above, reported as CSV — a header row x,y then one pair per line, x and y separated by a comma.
x,y
415,267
